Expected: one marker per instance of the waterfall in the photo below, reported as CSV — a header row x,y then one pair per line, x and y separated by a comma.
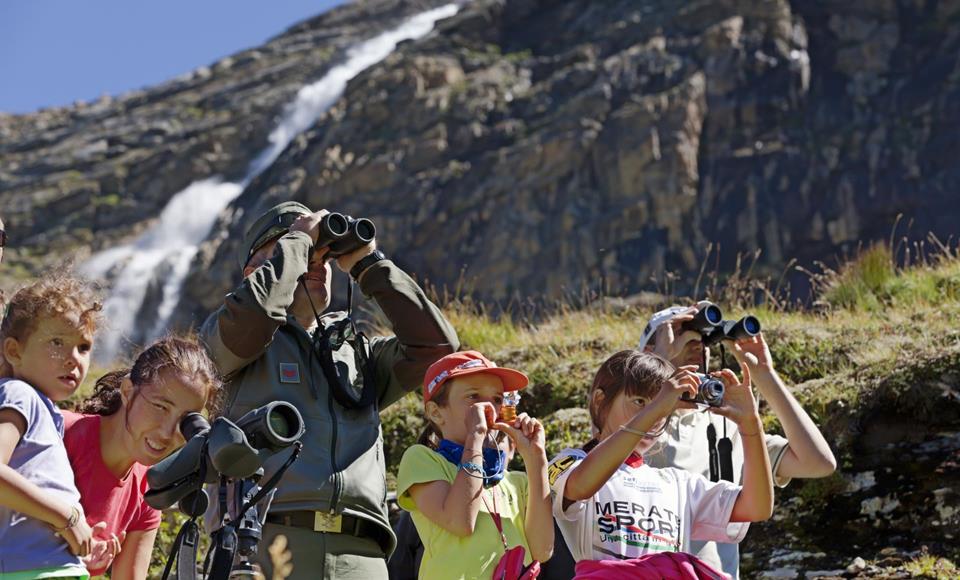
x,y
160,258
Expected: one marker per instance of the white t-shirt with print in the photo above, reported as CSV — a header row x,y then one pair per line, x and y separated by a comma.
x,y
684,446
642,510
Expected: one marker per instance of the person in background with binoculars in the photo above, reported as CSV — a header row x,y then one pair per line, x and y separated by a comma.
x,y
271,344
704,443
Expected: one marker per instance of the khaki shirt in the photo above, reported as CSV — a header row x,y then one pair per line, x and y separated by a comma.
x,y
267,356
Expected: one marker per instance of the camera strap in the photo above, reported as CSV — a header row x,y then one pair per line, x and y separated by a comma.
x,y
725,454
712,450
337,373
184,549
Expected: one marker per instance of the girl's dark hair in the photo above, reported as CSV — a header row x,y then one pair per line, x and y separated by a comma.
x,y
431,435
638,373
184,357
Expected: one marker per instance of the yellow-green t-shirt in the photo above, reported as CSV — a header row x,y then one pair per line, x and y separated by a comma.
x,y
446,555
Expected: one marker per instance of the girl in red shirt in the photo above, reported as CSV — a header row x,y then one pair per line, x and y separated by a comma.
x,y
130,423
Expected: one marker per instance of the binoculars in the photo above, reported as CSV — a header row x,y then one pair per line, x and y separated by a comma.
x,y
343,234
234,449
713,328
710,392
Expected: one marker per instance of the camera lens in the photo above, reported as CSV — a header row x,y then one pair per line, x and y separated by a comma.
x,y
711,392
279,423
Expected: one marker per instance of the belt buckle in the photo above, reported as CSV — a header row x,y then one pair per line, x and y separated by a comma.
x,y
327,522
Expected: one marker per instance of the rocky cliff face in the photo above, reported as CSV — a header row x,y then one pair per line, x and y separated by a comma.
x,y
558,146
78,179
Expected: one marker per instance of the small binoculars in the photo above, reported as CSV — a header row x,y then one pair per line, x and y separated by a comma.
x,y
713,328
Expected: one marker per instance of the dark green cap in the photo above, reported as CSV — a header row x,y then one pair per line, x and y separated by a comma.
x,y
275,222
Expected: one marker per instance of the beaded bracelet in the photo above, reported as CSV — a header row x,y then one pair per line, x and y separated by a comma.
x,y
73,520
640,433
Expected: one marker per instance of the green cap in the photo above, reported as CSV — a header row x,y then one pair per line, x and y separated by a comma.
x,y
275,222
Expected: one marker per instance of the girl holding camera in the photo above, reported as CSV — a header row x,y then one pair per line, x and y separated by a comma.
x,y
621,518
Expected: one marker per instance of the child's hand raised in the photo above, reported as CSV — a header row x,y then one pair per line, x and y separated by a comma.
x,y
683,380
480,418
739,405
753,353
529,436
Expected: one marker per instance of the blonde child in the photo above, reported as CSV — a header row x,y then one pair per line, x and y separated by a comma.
x,y
468,509
624,519
47,336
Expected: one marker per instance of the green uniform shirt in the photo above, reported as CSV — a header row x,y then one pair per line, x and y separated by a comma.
x,y
267,356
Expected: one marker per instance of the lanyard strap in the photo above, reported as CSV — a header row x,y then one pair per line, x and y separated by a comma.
x,y
497,520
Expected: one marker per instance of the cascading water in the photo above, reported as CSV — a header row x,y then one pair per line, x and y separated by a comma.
x,y
161,256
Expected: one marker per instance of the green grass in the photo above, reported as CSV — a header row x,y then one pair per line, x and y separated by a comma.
x,y
927,566
876,333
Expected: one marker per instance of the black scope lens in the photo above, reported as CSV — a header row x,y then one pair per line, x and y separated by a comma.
x,y
279,422
192,424
751,325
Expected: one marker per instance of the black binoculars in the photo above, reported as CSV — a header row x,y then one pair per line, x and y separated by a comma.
x,y
713,328
343,234
710,392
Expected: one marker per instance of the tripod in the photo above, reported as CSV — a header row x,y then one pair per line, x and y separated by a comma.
x,y
239,535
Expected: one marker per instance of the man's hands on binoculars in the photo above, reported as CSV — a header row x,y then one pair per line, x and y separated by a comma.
x,y
670,339
311,224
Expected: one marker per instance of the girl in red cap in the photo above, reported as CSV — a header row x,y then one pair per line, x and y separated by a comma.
x,y
476,519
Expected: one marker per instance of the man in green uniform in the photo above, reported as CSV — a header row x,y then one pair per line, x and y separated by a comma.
x,y
265,338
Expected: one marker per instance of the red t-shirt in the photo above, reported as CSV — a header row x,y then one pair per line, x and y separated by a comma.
x,y
104,497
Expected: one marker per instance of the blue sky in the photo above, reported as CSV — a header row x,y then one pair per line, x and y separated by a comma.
x,y
55,52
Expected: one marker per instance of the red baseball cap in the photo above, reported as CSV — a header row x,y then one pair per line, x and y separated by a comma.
x,y
468,362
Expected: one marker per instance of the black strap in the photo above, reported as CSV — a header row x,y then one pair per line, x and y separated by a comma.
x,y
725,452
337,373
224,548
712,449
184,552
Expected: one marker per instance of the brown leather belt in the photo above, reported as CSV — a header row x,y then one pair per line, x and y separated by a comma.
x,y
327,523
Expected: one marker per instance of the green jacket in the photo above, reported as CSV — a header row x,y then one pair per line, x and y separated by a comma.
x,y
341,468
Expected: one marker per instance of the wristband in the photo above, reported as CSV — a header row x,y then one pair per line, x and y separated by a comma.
x,y
72,520
638,432
468,466
365,262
